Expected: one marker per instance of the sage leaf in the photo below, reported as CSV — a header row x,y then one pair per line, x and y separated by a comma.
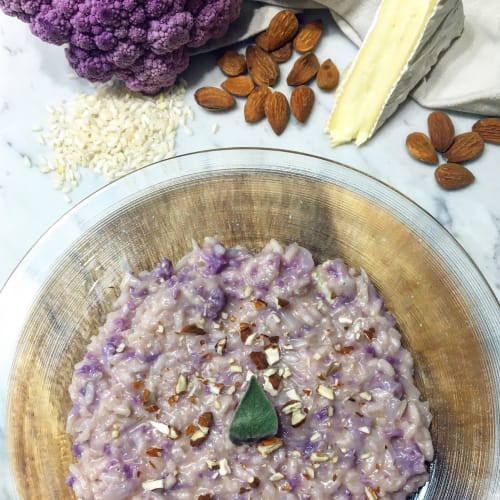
x,y
255,418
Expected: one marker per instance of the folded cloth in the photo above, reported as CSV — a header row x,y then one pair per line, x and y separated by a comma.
x,y
466,77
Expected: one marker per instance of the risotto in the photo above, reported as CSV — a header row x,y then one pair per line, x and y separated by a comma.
x,y
157,390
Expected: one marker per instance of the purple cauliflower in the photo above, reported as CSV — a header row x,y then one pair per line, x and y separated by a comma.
x,y
145,43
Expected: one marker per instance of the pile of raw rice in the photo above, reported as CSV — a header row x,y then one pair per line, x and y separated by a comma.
x,y
111,132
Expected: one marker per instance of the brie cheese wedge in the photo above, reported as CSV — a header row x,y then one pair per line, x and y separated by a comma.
x,y
402,45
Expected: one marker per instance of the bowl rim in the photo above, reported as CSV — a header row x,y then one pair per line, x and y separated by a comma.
x,y
338,174
89,197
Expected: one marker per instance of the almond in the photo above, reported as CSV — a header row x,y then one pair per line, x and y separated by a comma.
x,y
308,36
254,107
421,148
488,129
238,85
282,54
232,64
465,147
262,41
214,99
301,102
328,75
441,130
263,68
453,176
282,28
303,70
277,112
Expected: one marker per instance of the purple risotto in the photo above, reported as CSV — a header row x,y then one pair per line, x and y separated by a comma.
x,y
234,375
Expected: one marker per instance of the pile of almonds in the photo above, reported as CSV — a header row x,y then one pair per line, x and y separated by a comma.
x,y
273,47
456,149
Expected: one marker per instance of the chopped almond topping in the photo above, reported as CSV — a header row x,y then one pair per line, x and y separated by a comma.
x,y
220,346
198,437
275,381
319,457
326,392
272,352
269,445
190,429
259,360
245,331
254,482
192,399
224,468
181,385
153,484
370,493
277,476
259,304
316,436
174,433
152,408
146,395
194,329
291,406
154,451
346,349
173,399
309,473
138,384
206,496
160,427
206,419
333,367
369,332
213,464
298,418
282,302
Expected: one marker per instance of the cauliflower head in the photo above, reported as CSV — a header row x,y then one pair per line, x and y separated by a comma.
x,y
144,43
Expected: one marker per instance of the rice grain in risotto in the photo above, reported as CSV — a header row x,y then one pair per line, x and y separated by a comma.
x,y
156,392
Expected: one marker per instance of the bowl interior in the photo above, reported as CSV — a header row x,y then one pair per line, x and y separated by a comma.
x,y
249,209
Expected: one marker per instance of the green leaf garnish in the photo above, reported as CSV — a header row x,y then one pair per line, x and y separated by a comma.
x,y
255,418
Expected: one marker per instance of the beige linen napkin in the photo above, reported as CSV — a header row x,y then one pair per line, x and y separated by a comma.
x,y
466,77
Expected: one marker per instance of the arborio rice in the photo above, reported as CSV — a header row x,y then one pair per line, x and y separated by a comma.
x,y
154,397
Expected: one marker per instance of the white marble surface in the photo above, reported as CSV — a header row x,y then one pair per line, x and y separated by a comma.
x,y
33,75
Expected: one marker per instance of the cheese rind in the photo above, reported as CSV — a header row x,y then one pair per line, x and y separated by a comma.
x,y
404,42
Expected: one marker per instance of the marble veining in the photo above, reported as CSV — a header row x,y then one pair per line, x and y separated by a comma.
x,y
34,75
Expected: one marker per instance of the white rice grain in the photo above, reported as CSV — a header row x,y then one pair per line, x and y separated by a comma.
x,y
111,132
